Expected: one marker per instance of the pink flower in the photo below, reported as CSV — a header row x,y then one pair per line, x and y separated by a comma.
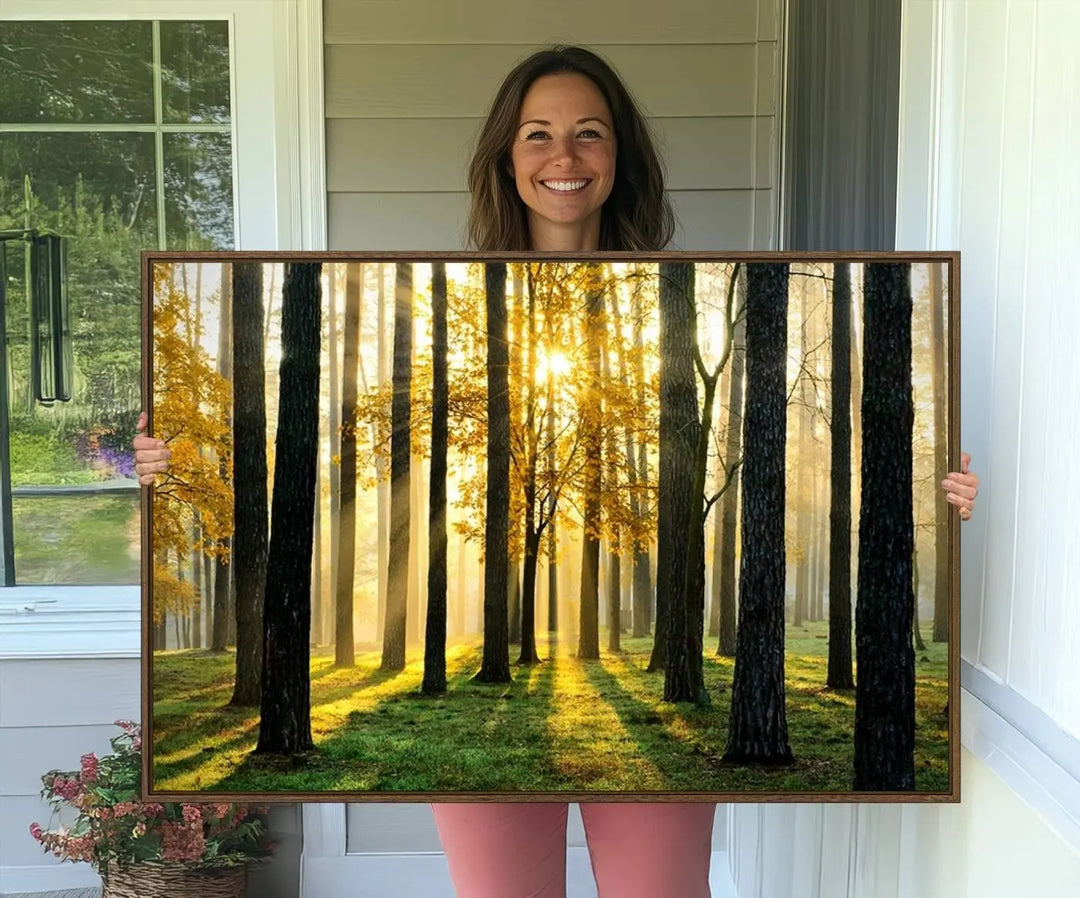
x,y
191,814
36,831
181,842
89,768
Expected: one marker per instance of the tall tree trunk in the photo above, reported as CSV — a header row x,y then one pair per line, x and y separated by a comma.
x,y
805,472
344,639
614,541
553,539
941,458
250,514
285,713
329,628
514,594
534,529
196,583
495,667
381,467
757,730
435,624
416,623
885,688
592,446
839,674
397,583
683,458
316,623
643,583
730,503
224,612
919,644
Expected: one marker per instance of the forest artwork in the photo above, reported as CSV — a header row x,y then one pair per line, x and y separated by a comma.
x,y
516,527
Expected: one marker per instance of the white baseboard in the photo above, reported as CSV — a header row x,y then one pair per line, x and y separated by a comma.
x,y
426,876
359,876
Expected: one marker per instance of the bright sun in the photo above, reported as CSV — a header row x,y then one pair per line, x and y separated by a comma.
x,y
556,363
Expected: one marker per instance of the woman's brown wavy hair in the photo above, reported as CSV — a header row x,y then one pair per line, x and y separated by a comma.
x,y
637,214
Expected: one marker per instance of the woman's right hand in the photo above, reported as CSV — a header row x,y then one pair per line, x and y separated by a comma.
x,y
151,455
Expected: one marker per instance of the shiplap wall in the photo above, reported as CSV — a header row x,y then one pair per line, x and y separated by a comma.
x,y
990,122
408,85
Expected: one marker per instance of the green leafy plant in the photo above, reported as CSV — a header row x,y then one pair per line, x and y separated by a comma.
x,y
114,828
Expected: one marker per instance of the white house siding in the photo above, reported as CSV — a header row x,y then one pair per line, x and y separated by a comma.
x,y
407,86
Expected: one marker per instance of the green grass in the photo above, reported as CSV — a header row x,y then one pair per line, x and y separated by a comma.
x,y
77,539
563,725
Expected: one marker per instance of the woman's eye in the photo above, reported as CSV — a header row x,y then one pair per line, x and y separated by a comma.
x,y
590,133
536,135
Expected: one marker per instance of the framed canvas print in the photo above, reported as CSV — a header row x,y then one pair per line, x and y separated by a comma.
x,y
521,527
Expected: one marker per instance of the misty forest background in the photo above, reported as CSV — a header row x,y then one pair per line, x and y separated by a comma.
x,y
697,505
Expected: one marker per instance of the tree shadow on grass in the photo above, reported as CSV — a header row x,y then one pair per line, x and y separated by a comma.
x,y
475,737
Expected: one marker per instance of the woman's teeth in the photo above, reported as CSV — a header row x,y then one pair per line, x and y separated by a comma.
x,y
564,186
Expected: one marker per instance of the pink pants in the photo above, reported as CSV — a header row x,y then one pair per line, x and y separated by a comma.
x,y
498,850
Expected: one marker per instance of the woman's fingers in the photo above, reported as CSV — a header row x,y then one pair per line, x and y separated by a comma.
x,y
141,426
966,485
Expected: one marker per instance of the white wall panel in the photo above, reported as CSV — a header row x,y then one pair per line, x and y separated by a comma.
x,y
569,21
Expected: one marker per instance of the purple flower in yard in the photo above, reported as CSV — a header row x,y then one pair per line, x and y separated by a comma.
x,y
121,462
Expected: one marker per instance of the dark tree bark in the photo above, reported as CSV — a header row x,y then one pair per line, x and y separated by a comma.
x,y
224,612
885,688
730,506
592,445
941,459
249,478
435,628
839,675
397,578
758,723
346,567
495,667
682,566
285,714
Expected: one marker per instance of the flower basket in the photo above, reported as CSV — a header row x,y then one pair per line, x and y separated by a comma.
x,y
149,849
163,879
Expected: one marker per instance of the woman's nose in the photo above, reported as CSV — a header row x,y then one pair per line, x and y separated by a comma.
x,y
564,149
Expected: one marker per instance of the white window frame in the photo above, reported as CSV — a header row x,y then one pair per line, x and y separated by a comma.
x,y
276,91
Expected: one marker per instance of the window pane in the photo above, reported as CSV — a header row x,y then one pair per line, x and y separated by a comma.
x,y
97,190
198,191
76,72
77,540
195,71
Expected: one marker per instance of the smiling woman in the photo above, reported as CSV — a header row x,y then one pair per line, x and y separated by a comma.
x,y
565,162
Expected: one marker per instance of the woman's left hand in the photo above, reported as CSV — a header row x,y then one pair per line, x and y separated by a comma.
x,y
961,487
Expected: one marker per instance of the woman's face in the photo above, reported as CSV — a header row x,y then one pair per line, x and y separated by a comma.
x,y
563,161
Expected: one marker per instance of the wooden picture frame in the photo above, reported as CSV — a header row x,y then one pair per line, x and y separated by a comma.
x,y
568,384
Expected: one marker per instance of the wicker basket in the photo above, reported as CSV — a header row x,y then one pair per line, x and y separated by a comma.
x,y
156,879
